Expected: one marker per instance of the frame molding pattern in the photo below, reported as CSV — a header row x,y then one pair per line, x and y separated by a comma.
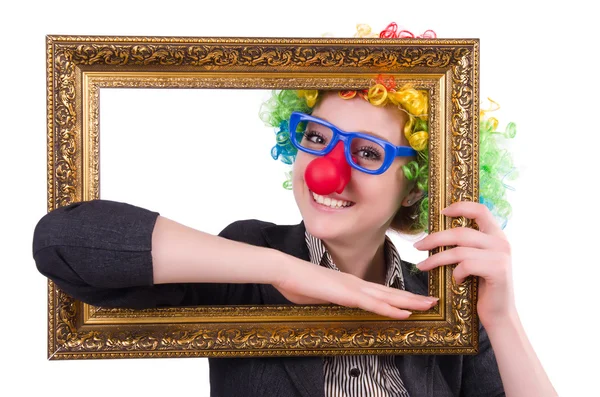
x,y
78,67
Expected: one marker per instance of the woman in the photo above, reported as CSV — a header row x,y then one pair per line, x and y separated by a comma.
x,y
118,255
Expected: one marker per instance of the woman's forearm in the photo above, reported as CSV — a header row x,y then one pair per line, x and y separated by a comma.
x,y
520,369
181,254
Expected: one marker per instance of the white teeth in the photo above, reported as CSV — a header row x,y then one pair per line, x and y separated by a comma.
x,y
330,202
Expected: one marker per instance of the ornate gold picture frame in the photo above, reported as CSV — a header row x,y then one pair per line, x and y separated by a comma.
x,y
78,68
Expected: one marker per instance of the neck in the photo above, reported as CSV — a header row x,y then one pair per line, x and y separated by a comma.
x,y
361,257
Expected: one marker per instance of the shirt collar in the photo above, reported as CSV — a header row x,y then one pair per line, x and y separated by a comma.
x,y
320,256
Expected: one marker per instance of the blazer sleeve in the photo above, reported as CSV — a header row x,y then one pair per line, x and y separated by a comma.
x,y
480,376
100,252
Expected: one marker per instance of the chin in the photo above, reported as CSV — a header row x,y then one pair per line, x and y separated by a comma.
x,y
322,223
320,227
325,229
329,224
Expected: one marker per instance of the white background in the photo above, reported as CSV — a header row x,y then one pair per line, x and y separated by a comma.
x,y
538,62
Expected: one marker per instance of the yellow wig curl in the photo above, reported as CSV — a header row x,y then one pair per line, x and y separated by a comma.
x,y
383,93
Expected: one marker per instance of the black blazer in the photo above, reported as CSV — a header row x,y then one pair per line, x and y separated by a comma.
x,y
100,253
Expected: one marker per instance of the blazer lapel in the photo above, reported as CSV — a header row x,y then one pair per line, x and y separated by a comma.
x,y
305,372
290,240
415,283
287,238
416,370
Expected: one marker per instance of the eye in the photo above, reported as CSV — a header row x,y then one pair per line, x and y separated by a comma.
x,y
369,153
314,137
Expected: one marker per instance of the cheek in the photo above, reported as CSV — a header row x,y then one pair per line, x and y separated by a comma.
x,y
300,164
369,187
386,189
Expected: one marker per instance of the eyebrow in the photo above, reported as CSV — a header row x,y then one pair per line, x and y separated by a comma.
x,y
362,132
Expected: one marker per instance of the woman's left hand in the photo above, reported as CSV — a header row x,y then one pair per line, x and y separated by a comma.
x,y
484,253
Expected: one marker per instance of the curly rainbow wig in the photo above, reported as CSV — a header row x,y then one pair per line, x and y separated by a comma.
x,y
495,163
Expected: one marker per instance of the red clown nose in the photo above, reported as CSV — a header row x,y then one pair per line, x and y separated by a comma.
x,y
328,174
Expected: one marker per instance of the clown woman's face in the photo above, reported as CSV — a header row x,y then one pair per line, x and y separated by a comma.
x,y
367,203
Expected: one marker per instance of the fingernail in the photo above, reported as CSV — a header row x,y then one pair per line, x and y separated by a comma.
x,y
431,299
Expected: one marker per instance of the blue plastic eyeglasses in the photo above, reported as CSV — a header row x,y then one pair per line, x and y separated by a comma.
x,y
364,152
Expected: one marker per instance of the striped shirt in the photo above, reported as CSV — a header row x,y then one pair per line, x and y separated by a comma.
x,y
361,375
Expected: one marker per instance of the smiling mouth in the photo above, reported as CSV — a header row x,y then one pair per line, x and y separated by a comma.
x,y
330,202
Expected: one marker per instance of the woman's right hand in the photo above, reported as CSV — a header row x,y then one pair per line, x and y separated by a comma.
x,y
306,283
